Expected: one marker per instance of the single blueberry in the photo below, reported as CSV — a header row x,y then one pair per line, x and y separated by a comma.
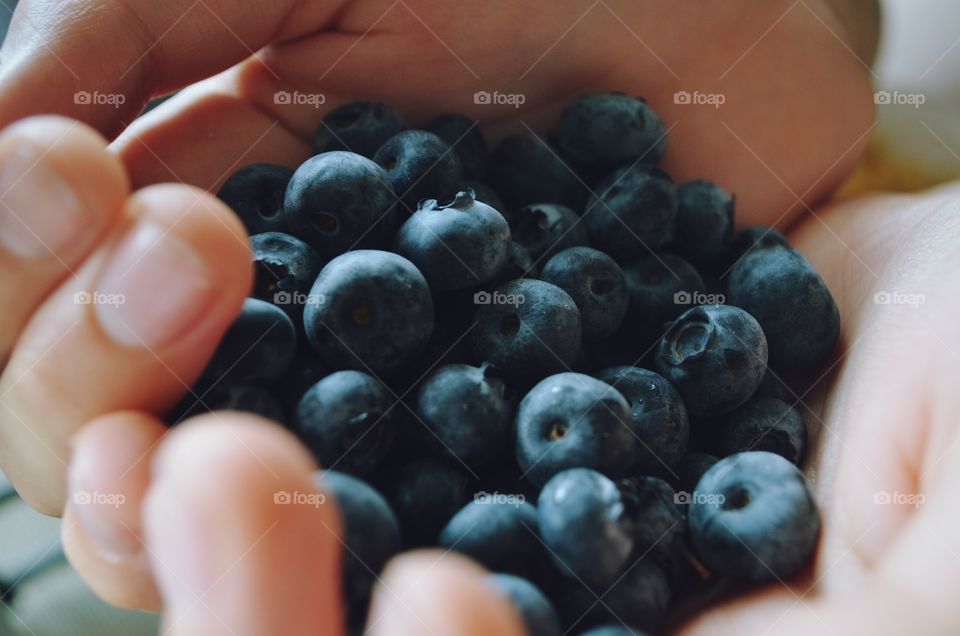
x,y
485,194
715,355
543,229
658,416
753,518
527,329
426,493
524,169
466,138
373,312
632,212
570,420
360,127
284,269
660,526
339,201
762,424
539,617
456,246
466,410
255,193
704,222
420,165
258,347
596,283
346,420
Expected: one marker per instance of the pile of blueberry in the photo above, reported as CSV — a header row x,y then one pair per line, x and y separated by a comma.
x,y
549,357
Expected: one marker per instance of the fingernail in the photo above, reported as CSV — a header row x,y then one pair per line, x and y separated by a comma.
x,y
101,515
40,214
155,287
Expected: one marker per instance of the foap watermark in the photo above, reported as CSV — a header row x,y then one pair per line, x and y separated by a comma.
x,y
696,98
96,98
296,98
898,298
98,298
684,498
498,298
496,98
97,498
896,498
698,298
297,498
298,298
899,98
484,497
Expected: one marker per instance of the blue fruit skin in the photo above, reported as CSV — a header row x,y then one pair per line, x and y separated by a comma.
x,y
640,597
338,201
660,526
704,222
370,533
524,170
425,494
467,411
258,347
376,312
767,526
632,212
539,617
456,246
360,127
596,283
532,339
790,300
543,229
585,523
420,165
715,355
485,194
255,193
501,536
284,270
519,265
570,420
466,138
347,421
658,416
762,424
755,236
599,132
688,471
654,280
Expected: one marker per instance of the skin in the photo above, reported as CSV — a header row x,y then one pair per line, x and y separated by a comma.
x,y
886,407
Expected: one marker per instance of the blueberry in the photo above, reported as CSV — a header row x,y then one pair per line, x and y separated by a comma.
x,y
376,312
467,411
704,222
420,165
586,525
539,617
258,347
639,597
773,386
757,236
613,630
284,270
524,169
359,127
499,532
255,194
459,245
519,265
466,138
754,518
527,329
543,229
789,299
715,355
306,370
661,287
339,201
688,471
660,525
599,132
345,419
596,283
762,424
485,194
658,416
370,533
425,494
230,397
570,420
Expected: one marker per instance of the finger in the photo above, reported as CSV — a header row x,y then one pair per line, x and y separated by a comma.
x,y
59,194
227,558
100,62
432,592
131,331
102,533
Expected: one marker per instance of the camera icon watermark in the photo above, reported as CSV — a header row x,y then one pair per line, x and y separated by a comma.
x,y
696,98
96,98
484,497
684,498
899,98
97,498
297,498
98,298
896,498
496,98
298,298
498,298
296,98
698,298
898,298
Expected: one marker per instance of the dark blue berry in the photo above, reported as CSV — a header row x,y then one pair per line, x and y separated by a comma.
x,y
543,229
704,222
360,127
762,424
756,236
466,138
688,471
524,170
660,524
539,617
425,494
284,270
596,283
255,193
420,165
485,194
775,387
257,348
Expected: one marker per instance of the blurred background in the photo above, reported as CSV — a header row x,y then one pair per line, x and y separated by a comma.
x,y
915,144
